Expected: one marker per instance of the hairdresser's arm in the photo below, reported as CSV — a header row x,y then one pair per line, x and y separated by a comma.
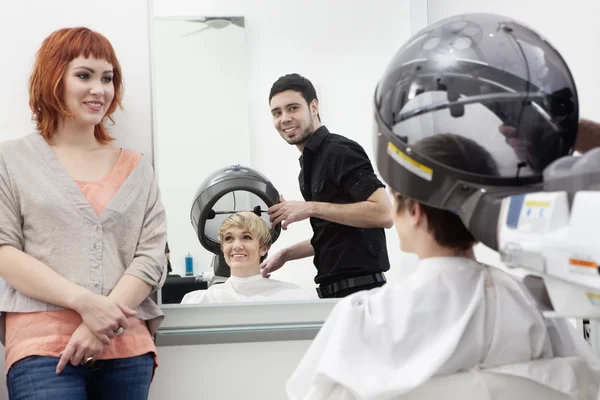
x,y
299,250
371,213
588,136
350,166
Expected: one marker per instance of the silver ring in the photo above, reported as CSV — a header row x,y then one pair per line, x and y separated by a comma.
x,y
119,331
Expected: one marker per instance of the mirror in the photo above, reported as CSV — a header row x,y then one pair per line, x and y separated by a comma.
x,y
199,74
211,83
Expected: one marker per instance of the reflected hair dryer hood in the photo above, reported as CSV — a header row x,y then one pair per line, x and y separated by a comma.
x,y
212,204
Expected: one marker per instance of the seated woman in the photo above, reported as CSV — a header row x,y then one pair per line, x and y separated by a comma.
x,y
452,314
245,240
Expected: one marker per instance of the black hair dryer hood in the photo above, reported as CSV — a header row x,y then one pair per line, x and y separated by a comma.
x,y
226,191
469,74
491,80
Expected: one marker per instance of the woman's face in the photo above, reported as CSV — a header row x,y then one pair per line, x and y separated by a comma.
x,y
88,89
242,252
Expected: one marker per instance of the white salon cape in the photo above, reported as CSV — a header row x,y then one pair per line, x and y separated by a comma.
x,y
253,288
451,315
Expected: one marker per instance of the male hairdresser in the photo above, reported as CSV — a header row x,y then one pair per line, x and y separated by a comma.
x,y
345,201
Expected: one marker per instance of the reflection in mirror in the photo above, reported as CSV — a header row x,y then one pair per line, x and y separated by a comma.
x,y
211,104
219,190
510,159
197,64
230,215
245,239
227,205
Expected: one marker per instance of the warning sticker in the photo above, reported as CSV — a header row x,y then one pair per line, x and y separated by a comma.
x,y
408,163
582,266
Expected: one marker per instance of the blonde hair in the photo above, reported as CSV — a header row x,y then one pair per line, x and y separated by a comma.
x,y
247,221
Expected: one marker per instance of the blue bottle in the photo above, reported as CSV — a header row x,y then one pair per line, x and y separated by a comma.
x,y
189,265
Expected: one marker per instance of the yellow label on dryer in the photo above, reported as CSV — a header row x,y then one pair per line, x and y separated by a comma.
x,y
410,164
537,203
594,298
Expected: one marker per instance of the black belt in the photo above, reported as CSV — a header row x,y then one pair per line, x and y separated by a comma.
x,y
349,283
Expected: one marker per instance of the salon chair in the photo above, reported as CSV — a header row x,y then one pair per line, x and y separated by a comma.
x,y
176,287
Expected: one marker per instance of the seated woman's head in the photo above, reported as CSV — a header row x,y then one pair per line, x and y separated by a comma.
x,y
245,240
432,232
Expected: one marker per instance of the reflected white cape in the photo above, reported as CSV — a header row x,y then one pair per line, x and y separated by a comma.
x,y
253,288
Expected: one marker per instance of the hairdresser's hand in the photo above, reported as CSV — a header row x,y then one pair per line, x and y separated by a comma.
x,y
272,264
103,316
535,147
588,136
520,146
82,345
287,212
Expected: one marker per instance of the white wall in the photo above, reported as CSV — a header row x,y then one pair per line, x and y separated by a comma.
x,y
572,29
23,26
343,51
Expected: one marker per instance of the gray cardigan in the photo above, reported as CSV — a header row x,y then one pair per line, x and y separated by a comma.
x,y
44,213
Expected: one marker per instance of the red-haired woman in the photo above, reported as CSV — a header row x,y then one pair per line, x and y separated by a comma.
x,y
82,236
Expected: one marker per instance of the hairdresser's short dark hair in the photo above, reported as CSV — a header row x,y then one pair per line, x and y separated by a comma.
x,y
297,83
461,153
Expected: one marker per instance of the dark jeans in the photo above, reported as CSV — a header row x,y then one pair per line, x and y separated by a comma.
x,y
34,378
348,292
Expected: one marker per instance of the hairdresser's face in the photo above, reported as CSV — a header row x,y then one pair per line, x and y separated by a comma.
x,y
88,89
242,252
292,117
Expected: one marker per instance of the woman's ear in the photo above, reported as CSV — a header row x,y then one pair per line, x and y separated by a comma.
x,y
416,213
264,250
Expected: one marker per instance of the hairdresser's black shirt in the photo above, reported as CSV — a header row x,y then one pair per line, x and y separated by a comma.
x,y
335,169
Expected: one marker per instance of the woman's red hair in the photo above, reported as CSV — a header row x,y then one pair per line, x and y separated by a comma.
x,y
45,85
